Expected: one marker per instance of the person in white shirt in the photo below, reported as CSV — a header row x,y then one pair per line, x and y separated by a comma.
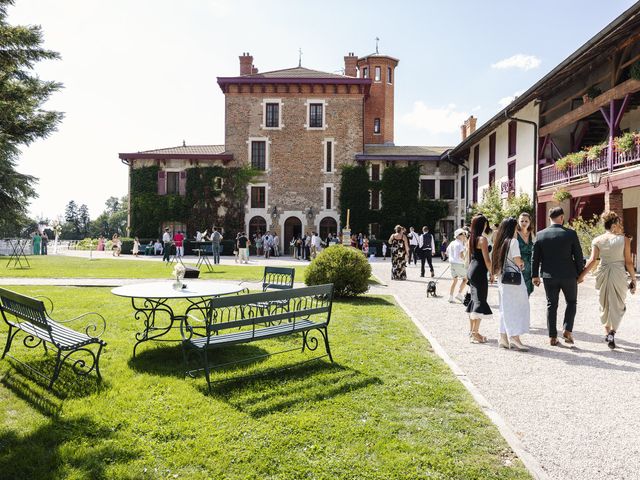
x,y
457,253
426,247
413,246
276,245
316,244
166,240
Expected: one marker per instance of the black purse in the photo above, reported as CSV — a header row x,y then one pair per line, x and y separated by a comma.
x,y
467,299
510,273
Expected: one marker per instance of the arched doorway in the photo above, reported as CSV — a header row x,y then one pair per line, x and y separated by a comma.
x,y
257,225
292,228
328,226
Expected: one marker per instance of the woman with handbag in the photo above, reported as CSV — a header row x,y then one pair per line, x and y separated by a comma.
x,y
479,266
507,264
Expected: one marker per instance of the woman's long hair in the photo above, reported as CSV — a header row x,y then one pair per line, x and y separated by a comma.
x,y
506,232
478,226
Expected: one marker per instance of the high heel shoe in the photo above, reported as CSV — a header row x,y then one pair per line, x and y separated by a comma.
x,y
503,341
518,345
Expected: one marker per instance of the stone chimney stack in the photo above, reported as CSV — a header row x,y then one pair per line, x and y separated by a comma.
x,y
246,64
468,127
351,65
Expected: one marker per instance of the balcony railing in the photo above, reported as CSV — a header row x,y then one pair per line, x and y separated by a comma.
x,y
549,175
508,188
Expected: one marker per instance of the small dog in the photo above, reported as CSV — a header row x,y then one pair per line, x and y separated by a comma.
x,y
431,288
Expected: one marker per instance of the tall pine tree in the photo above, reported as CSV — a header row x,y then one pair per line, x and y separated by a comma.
x,y
22,119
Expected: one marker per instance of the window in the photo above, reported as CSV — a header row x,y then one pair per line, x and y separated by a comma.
x,y
259,154
315,115
463,187
375,172
365,72
173,183
389,75
428,189
447,189
378,74
217,183
492,149
328,155
272,115
258,197
474,190
513,132
375,199
476,159
492,178
376,125
328,197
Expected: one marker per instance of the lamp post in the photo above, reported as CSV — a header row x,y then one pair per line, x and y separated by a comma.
x,y
594,177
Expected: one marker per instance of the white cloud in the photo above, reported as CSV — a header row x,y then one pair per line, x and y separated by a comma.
x,y
521,61
504,101
434,119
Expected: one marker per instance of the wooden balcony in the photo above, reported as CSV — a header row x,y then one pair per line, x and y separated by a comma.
x,y
550,176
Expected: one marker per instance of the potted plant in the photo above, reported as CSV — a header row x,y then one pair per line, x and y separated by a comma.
x,y
595,151
562,164
560,195
625,143
577,158
591,93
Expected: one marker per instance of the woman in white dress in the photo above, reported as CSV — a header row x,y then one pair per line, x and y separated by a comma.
x,y
514,299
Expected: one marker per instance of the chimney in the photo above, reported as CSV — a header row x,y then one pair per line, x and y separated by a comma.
x,y
351,65
246,64
254,70
468,127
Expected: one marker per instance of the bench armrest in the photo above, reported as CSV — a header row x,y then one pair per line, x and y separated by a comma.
x,y
93,329
49,301
187,329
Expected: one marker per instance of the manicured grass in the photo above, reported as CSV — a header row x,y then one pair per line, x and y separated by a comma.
x,y
388,408
59,266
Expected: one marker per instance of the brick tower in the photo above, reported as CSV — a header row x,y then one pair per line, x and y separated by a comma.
x,y
378,107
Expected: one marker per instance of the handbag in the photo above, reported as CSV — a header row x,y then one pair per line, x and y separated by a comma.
x,y
467,298
510,273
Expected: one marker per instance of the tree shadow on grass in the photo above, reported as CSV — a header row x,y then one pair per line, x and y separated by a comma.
x,y
301,385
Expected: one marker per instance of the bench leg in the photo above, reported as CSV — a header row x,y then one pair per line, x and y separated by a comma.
x,y
325,334
98,363
9,340
56,371
206,368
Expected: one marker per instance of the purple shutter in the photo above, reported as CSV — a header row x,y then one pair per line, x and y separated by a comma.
x,y
162,183
182,183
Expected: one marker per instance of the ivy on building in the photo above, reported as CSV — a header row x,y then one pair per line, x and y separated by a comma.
x,y
401,204
214,196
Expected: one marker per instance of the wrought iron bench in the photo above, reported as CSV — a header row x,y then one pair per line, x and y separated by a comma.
x,y
29,316
258,316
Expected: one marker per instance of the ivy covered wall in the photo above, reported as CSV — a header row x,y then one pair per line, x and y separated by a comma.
x,y
399,189
205,204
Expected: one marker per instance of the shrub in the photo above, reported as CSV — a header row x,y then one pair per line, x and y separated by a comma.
x,y
625,143
345,267
561,194
587,230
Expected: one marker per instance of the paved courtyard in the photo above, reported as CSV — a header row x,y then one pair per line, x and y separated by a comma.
x,y
575,411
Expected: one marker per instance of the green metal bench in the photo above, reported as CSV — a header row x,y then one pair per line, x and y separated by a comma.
x,y
258,316
29,316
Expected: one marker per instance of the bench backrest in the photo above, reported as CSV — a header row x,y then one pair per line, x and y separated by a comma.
x,y
308,303
278,278
24,308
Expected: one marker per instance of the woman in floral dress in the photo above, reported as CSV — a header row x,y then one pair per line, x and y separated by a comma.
x,y
399,251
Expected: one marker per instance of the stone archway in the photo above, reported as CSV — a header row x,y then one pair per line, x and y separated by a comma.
x,y
257,225
328,225
292,228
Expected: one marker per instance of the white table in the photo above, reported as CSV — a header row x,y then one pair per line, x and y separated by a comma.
x,y
150,300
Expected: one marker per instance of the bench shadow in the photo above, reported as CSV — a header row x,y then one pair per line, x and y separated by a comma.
x,y
364,301
169,360
298,386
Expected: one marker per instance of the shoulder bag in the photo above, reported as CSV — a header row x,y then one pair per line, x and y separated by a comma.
x,y
510,273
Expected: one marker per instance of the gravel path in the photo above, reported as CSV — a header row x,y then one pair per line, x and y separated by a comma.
x,y
577,411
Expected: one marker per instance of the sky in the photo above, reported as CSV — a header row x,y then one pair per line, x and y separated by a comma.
x,y
140,75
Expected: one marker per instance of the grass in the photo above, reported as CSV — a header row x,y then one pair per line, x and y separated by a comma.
x,y
58,266
388,408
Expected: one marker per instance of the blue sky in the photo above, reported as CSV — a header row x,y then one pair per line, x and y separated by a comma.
x,y
142,74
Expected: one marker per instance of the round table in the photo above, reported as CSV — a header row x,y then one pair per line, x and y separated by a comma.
x,y
151,299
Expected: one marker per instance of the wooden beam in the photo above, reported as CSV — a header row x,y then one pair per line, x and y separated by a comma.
x,y
619,91
572,96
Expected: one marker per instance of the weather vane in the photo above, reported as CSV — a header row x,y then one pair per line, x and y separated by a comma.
x,y
377,40
299,57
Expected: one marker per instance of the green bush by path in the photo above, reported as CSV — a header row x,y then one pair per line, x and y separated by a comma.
x,y
345,267
387,409
59,266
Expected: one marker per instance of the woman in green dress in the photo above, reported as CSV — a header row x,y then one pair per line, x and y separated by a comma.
x,y
525,242
36,243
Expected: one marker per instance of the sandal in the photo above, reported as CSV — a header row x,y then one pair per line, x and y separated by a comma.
x,y
477,338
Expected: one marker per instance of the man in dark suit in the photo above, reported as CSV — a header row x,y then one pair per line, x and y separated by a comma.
x,y
558,253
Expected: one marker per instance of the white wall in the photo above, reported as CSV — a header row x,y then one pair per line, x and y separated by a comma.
x,y
524,154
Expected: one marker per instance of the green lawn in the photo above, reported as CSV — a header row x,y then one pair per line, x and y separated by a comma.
x,y
388,408
58,266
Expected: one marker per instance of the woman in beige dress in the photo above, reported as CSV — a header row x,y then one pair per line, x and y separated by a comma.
x,y
614,251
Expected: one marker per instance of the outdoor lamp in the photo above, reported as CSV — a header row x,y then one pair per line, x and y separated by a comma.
x,y
594,177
